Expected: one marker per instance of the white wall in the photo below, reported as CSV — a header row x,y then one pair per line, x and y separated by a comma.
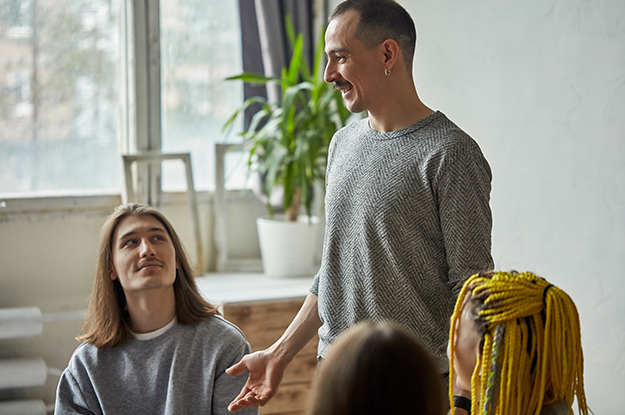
x,y
541,86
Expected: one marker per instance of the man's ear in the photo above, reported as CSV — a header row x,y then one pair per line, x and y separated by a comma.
x,y
391,52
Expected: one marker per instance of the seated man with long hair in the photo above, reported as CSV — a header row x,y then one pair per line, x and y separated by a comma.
x,y
152,344
515,347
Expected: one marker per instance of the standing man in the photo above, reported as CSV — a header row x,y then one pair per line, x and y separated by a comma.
x,y
153,345
407,202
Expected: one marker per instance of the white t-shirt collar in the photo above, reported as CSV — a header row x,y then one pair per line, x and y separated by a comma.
x,y
155,333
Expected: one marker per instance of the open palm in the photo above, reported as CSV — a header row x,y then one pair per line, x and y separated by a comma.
x,y
265,375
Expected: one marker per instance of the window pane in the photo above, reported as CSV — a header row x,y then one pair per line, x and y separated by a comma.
x,y
200,47
235,171
58,97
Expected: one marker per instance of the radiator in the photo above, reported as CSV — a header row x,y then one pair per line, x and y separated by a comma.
x,y
27,372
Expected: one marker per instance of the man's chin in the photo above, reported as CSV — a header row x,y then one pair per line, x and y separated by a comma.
x,y
353,107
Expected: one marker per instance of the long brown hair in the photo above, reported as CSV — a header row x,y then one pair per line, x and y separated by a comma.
x,y
377,369
107,321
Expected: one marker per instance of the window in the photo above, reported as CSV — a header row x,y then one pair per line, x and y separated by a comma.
x,y
60,88
58,97
200,47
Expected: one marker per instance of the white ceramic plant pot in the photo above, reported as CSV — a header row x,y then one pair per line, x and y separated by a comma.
x,y
288,248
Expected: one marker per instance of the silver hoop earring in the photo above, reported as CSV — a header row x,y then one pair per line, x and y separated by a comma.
x,y
387,72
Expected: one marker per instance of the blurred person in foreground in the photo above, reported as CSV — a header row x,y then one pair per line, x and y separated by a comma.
x,y
374,369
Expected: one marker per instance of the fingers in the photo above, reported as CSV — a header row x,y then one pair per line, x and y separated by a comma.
x,y
258,389
239,402
251,400
240,398
236,369
235,406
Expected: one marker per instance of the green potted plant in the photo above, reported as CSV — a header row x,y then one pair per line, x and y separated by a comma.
x,y
287,145
287,142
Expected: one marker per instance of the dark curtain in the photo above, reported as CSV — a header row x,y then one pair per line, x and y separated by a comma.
x,y
265,43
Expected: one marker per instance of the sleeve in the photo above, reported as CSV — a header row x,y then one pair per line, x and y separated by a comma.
x,y
314,288
465,215
69,397
227,387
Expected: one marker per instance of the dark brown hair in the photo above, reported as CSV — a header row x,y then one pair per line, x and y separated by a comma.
x,y
381,20
377,369
107,321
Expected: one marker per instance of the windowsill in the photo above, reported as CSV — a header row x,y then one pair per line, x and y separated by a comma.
x,y
55,204
46,205
234,287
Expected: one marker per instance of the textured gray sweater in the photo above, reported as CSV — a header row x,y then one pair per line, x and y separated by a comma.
x,y
407,222
179,372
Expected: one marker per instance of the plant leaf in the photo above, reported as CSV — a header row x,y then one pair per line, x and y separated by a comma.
x,y
252,78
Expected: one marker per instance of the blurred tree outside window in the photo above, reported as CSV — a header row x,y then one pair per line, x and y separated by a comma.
x,y
58,97
200,47
60,84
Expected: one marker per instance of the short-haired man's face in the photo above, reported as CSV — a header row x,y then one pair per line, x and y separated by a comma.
x,y
144,256
354,69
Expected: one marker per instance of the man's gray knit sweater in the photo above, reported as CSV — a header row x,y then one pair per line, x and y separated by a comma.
x,y
407,222
179,372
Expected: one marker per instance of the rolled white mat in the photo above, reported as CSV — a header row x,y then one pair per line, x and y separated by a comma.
x,y
24,407
20,322
22,373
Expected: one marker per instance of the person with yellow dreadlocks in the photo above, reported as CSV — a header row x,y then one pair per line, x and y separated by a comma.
x,y
515,347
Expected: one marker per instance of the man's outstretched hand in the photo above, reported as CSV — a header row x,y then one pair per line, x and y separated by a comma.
x,y
266,372
267,367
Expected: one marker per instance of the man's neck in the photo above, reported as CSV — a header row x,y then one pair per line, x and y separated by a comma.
x,y
397,117
151,310
399,105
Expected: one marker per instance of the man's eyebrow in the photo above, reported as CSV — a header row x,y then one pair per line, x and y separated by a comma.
x,y
126,235
154,229
336,50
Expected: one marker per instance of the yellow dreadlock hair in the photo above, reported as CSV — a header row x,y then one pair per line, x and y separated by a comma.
x,y
531,351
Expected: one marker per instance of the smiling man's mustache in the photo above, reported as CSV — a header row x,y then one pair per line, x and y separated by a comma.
x,y
341,84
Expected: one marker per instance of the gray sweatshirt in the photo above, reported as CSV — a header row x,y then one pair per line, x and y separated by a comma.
x,y
407,222
179,372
